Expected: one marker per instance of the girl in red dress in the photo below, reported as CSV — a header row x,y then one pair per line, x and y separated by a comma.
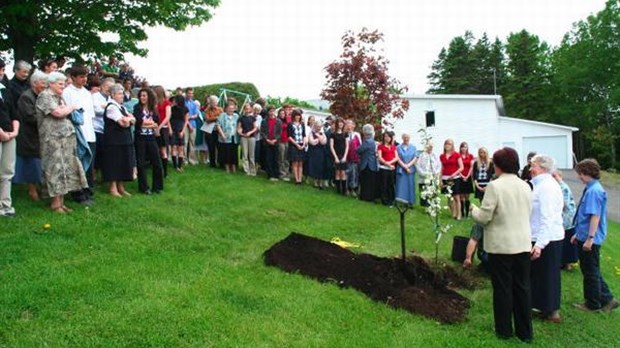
x,y
467,187
451,168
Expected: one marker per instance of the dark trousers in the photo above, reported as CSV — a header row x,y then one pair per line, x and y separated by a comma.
x,y
98,154
271,161
510,276
595,290
387,186
148,151
211,140
87,193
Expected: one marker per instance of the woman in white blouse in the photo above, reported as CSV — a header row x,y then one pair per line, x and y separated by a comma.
x,y
428,167
547,237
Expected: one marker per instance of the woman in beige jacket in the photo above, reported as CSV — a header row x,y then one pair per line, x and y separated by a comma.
x,y
505,214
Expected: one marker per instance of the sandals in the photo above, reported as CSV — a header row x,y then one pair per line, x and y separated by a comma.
x,y
58,210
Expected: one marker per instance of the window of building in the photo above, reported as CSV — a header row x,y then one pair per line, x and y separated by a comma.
x,y
430,119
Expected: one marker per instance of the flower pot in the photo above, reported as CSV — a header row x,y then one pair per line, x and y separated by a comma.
x,y
459,248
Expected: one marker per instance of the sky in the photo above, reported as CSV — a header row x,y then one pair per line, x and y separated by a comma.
x,y
282,46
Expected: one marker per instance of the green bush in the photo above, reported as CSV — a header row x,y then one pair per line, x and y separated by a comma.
x,y
201,92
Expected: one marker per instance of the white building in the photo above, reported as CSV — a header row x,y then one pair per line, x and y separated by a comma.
x,y
480,121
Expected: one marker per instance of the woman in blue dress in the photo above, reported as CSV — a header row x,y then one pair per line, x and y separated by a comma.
x,y
405,171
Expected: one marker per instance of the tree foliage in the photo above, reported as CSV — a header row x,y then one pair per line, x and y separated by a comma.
x,y
587,82
576,83
278,102
74,28
527,88
202,92
467,67
358,84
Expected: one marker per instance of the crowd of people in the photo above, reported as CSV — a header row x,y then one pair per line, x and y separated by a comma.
x,y
60,132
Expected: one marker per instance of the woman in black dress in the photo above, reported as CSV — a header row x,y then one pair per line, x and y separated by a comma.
x,y
316,153
179,120
147,149
297,145
339,148
119,159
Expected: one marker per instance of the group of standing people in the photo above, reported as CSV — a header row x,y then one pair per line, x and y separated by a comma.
x,y
62,129
532,230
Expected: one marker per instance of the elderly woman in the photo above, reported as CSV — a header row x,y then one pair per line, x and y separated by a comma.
x,y
547,238
405,171
369,166
570,254
228,137
62,169
429,168
119,158
28,165
505,216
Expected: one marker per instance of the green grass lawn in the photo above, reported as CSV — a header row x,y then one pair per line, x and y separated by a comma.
x,y
185,268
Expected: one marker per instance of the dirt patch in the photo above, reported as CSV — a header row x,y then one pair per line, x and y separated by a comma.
x,y
414,286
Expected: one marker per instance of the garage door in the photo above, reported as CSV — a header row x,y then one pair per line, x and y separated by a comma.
x,y
554,146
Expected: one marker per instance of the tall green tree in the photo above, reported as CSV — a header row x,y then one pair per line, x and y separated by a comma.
x,y
359,85
36,29
587,80
454,71
527,87
468,68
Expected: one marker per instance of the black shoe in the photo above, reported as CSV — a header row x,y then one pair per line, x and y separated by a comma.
x,y
87,202
157,191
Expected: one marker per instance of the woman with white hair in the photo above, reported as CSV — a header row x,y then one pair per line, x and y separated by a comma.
x,y
119,157
547,236
429,168
28,164
405,170
62,169
369,167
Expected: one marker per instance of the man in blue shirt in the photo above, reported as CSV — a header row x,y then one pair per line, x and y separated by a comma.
x,y
190,132
590,233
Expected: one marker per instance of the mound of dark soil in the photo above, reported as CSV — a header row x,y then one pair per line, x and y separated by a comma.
x,y
413,286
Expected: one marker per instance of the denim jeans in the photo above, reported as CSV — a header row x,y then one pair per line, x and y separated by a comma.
x,y
595,290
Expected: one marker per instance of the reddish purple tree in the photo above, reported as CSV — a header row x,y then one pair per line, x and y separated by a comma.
x,y
358,85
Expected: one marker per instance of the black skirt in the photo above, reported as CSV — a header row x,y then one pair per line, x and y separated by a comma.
x,y
466,186
229,154
546,278
295,154
119,162
368,185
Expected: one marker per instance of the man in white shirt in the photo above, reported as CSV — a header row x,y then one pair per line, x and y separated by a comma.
x,y
77,95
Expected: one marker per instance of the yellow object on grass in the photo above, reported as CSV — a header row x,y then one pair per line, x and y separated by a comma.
x,y
344,244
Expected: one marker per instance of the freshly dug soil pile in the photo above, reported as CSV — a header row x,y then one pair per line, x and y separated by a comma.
x,y
413,286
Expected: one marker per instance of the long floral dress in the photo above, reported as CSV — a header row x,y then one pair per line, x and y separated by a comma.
x,y
62,170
